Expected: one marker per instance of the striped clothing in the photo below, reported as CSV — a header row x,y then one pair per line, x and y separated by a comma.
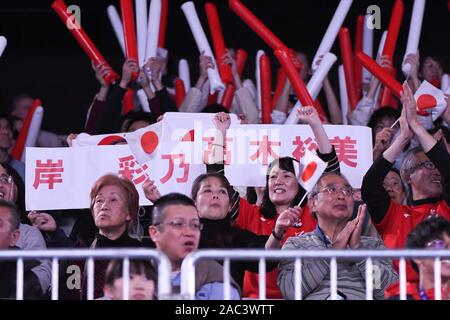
x,y
351,274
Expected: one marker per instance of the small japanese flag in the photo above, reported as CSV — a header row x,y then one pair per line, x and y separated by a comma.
x,y
144,142
309,170
430,100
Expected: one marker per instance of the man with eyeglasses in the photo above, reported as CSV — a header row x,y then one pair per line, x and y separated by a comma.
x,y
176,230
425,172
431,234
331,203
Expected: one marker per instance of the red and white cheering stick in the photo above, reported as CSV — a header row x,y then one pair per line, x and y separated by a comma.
x,y
384,76
332,30
30,130
414,33
83,40
215,83
180,92
129,32
3,43
347,61
163,24
357,68
391,41
116,24
266,90
314,86
281,52
218,41
141,29
184,74
367,49
154,19
241,59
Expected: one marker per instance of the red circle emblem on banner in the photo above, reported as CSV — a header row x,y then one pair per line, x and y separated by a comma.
x,y
426,101
309,171
111,140
149,141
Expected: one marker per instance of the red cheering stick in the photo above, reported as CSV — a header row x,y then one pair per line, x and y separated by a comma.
x,y
180,92
358,48
218,41
128,101
129,32
385,77
266,89
294,77
83,40
163,23
241,59
256,25
228,96
394,28
281,80
386,97
347,61
17,151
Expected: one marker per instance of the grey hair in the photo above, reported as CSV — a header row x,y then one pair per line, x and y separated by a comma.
x,y
409,161
318,186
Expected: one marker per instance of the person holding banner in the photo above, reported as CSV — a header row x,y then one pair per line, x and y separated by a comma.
x,y
331,203
282,193
426,174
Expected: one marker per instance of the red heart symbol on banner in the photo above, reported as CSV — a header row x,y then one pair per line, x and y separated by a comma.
x,y
309,171
426,101
149,141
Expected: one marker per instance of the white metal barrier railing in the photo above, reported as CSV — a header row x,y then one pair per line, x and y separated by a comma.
x,y
188,267
164,266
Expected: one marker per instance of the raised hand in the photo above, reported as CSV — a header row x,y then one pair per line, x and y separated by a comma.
x,y
355,238
100,71
308,115
407,98
228,58
151,191
129,67
383,139
413,60
222,121
42,220
205,62
286,219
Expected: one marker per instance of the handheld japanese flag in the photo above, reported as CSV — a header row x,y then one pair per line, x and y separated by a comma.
x,y
430,100
308,171
144,142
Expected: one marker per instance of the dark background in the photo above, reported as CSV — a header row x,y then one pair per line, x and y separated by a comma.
x,y
43,59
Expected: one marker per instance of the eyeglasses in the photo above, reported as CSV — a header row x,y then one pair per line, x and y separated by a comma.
x,y
6,179
332,190
194,225
427,164
437,244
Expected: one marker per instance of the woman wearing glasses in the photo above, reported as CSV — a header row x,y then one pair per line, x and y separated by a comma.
x,y
331,203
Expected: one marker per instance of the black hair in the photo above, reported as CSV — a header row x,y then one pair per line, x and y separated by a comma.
x,y
131,117
444,129
428,230
137,267
380,113
215,108
20,202
267,207
173,198
217,175
251,195
14,216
